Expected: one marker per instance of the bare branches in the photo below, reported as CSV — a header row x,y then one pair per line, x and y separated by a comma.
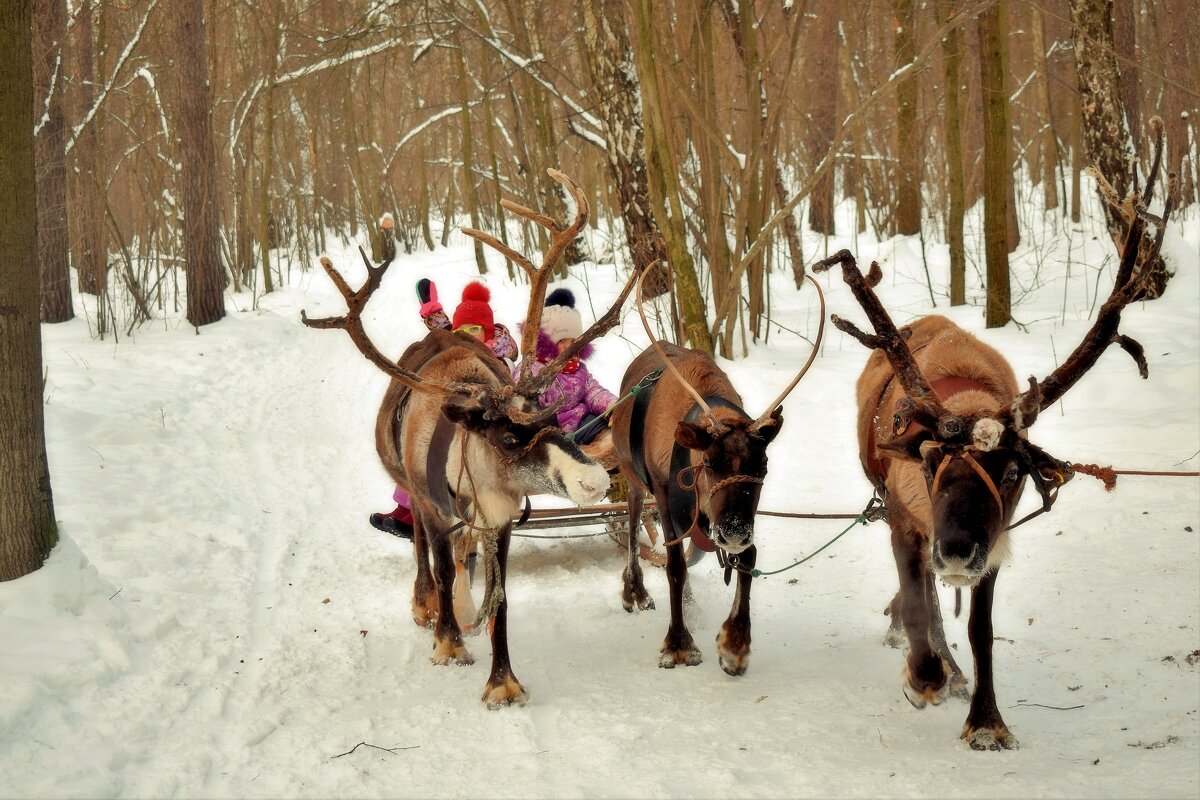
x,y
1132,273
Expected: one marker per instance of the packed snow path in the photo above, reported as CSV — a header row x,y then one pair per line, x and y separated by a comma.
x,y
220,621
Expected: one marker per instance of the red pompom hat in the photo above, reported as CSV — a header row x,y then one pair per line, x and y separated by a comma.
x,y
474,309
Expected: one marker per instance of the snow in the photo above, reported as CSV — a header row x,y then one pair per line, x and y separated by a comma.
x,y
219,620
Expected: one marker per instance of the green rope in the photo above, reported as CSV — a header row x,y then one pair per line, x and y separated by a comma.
x,y
860,520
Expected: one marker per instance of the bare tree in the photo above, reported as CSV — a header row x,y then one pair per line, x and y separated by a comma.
x,y
1106,142
908,145
996,172
54,256
27,528
201,246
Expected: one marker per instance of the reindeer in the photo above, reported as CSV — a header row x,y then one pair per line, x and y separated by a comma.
x,y
942,429
469,444
686,440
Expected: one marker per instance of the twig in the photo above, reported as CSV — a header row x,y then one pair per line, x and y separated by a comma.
x,y
117,592
377,747
1189,458
1040,705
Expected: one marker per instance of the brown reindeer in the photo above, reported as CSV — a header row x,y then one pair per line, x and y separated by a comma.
x,y
686,440
942,435
469,445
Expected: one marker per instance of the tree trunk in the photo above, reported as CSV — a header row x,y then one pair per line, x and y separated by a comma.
x,y
820,111
267,150
908,153
468,155
89,245
664,191
198,172
54,258
27,528
1106,144
1049,143
954,168
616,89
996,173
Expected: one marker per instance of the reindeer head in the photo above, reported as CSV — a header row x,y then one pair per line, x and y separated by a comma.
x,y
732,466
975,463
534,456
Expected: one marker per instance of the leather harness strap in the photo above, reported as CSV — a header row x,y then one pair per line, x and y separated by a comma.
x,y
980,471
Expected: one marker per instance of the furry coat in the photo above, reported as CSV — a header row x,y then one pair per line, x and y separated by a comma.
x,y
578,391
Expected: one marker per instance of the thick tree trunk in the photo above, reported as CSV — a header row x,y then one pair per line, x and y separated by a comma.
x,y
54,255
664,190
198,171
615,84
27,528
1106,143
996,172
267,159
954,169
908,153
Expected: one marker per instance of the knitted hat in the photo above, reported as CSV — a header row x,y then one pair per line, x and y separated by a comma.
x,y
427,293
474,309
560,320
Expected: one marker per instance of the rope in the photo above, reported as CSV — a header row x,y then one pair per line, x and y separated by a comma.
x,y
861,519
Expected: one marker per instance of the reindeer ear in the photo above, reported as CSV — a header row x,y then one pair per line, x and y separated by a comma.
x,y
470,416
693,437
769,429
908,447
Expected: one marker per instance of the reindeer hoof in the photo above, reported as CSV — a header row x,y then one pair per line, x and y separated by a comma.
x,y
446,653
733,650
642,602
990,738
508,692
688,657
925,695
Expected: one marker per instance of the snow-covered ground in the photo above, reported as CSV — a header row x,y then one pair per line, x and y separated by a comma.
x,y
220,621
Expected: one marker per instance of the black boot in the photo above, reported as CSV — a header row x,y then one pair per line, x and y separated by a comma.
x,y
391,525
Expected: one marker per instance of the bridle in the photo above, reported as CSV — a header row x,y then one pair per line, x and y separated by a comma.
x,y
965,455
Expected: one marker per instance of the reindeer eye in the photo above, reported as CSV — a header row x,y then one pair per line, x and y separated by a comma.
x,y
1011,474
509,440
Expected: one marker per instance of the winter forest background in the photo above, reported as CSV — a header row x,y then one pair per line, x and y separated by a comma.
x,y
171,171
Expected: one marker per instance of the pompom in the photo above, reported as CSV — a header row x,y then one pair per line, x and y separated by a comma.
x,y
561,297
387,221
476,292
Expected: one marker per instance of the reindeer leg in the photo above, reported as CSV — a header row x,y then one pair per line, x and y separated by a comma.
x,y
633,591
464,604
925,673
984,729
503,688
678,647
447,636
937,637
733,640
424,601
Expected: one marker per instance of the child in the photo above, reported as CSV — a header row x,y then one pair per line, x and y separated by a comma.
x,y
583,398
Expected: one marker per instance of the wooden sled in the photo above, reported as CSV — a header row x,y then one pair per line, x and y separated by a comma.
x,y
615,518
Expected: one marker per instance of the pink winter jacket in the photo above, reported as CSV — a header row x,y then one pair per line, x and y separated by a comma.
x,y
579,392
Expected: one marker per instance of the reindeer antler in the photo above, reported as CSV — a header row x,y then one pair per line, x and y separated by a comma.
x,y
717,426
887,338
560,239
352,321
1132,273
765,417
